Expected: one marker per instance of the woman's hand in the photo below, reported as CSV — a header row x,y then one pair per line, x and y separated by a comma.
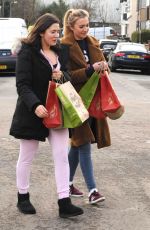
x,y
41,111
100,66
56,75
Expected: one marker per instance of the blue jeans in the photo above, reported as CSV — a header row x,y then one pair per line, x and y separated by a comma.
x,y
82,154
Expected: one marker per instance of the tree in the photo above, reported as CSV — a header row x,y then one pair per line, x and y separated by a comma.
x,y
26,9
30,10
102,12
88,5
58,9
99,10
141,37
6,9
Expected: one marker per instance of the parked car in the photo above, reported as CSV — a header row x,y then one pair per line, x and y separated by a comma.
x,y
11,29
129,55
7,59
107,45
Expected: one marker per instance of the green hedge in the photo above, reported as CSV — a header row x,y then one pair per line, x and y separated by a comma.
x,y
142,37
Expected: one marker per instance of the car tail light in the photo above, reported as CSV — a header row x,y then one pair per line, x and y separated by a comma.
x,y
119,54
146,56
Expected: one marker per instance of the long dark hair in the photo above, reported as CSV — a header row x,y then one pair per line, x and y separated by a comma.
x,y
42,24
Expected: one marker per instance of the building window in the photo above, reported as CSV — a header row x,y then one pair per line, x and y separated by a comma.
x,y
125,16
141,4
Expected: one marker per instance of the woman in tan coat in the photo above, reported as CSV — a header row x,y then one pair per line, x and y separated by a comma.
x,y
84,57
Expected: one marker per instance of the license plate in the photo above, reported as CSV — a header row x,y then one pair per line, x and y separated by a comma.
x,y
3,66
134,56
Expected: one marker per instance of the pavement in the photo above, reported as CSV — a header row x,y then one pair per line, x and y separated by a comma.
x,y
122,171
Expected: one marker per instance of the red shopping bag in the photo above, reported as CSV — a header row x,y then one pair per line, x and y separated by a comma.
x,y
54,120
95,109
110,103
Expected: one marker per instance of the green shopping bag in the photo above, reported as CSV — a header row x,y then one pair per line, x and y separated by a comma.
x,y
87,92
74,111
67,123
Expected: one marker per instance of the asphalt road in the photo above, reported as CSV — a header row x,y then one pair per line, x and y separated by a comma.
x,y
122,171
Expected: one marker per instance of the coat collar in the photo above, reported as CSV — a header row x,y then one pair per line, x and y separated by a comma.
x,y
70,40
75,51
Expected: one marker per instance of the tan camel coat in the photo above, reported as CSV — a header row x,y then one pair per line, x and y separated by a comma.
x,y
98,131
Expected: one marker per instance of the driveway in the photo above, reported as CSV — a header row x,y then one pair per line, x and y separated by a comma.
x,y
122,171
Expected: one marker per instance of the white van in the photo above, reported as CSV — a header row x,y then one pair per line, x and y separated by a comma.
x,y
11,29
101,32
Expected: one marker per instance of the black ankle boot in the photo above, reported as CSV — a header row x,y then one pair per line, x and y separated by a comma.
x,y
24,205
67,209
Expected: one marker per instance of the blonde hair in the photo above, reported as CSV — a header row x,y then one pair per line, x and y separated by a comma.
x,y
71,16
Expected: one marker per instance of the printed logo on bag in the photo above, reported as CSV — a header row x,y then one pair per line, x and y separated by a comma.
x,y
76,100
53,112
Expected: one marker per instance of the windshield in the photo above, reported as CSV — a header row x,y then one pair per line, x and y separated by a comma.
x,y
131,47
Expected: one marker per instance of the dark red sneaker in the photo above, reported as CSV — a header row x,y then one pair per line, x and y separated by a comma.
x,y
74,191
96,197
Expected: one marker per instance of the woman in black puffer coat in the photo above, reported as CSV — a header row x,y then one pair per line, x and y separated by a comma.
x,y
39,61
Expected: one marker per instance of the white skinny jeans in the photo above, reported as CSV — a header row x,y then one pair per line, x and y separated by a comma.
x,y
58,139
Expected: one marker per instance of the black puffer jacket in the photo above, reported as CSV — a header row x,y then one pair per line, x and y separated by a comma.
x,y
33,73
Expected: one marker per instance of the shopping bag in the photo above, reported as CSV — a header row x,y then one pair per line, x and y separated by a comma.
x,y
54,120
110,103
87,92
95,109
72,105
66,119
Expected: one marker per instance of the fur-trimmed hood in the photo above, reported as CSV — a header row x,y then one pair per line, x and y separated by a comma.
x,y
16,47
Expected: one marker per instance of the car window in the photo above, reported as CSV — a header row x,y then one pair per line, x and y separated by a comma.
x,y
131,47
113,32
9,33
106,46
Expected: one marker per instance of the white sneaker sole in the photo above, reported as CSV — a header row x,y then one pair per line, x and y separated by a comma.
x,y
98,200
76,195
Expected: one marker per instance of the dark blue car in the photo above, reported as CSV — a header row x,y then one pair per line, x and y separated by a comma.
x,y
128,55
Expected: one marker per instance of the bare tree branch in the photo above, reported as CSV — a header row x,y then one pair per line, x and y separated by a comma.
x,y
87,5
26,9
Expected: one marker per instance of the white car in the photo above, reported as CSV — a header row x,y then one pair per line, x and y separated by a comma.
x,y
11,29
107,45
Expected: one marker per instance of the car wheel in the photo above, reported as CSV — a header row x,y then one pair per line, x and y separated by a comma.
x,y
145,71
110,64
112,68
